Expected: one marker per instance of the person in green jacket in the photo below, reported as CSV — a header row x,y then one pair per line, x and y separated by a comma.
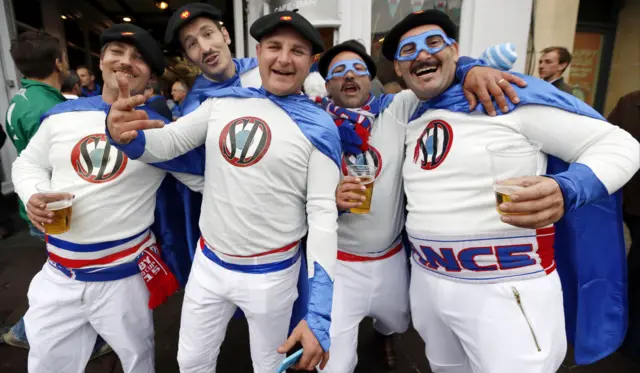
x,y
39,57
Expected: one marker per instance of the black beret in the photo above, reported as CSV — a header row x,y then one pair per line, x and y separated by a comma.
x,y
267,24
413,20
143,41
186,14
350,46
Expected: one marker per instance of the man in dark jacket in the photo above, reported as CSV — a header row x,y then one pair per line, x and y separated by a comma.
x,y
626,115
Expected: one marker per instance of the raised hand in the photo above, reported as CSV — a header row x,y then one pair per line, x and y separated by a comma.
x,y
123,121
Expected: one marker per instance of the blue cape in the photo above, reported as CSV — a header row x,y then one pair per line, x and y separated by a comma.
x,y
589,244
168,226
314,295
202,84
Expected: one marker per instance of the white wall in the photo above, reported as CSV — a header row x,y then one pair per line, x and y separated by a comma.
x,y
485,23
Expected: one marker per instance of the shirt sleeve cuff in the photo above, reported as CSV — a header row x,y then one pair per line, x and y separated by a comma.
x,y
579,186
320,302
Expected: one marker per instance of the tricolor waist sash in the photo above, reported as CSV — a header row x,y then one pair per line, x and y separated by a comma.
x,y
104,261
115,260
267,262
395,248
486,258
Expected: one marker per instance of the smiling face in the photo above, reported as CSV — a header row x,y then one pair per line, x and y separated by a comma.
x,y
284,60
428,75
351,90
123,58
206,45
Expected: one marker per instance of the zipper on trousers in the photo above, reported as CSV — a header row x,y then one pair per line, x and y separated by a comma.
x,y
516,294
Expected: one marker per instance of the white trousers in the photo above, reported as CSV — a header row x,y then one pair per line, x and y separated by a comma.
x,y
481,328
379,289
65,316
210,300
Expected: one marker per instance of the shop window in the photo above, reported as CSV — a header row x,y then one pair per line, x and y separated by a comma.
x,y
386,13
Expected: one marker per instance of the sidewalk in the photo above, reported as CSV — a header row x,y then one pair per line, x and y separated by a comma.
x,y
21,257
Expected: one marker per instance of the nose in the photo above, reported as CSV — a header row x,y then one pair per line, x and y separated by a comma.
x,y
423,55
350,74
283,57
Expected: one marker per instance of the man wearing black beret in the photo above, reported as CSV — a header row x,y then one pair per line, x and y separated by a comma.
x,y
272,169
482,195
196,29
104,274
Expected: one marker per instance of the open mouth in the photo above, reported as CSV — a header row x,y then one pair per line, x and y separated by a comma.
x,y
350,87
282,72
425,69
126,73
211,60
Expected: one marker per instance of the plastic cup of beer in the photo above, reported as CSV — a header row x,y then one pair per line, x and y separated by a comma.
x,y
61,208
512,159
367,174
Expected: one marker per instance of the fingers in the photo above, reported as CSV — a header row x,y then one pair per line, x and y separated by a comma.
x,y
514,79
311,357
471,98
129,103
533,206
127,137
485,100
123,85
496,91
539,188
325,360
130,130
534,221
38,222
290,342
509,91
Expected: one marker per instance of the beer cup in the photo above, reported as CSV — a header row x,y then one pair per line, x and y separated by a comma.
x,y
61,220
512,159
367,174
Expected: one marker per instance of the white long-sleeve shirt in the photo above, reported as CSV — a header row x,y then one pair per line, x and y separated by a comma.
x,y
265,182
376,232
451,203
115,196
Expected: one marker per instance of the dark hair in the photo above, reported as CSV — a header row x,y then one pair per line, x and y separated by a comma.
x,y
86,68
70,82
563,54
35,54
155,84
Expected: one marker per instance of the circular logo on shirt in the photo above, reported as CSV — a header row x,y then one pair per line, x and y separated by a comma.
x,y
244,141
433,145
370,157
96,161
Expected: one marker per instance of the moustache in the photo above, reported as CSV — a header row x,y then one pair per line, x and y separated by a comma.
x,y
421,64
208,54
348,83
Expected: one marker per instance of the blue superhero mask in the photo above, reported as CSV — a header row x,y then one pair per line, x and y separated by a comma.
x,y
358,67
432,42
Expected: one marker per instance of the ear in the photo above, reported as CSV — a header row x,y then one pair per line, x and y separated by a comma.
x,y
101,69
563,66
396,68
258,49
59,64
456,51
225,34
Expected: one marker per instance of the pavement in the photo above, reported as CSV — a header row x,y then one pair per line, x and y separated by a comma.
x,y
22,256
